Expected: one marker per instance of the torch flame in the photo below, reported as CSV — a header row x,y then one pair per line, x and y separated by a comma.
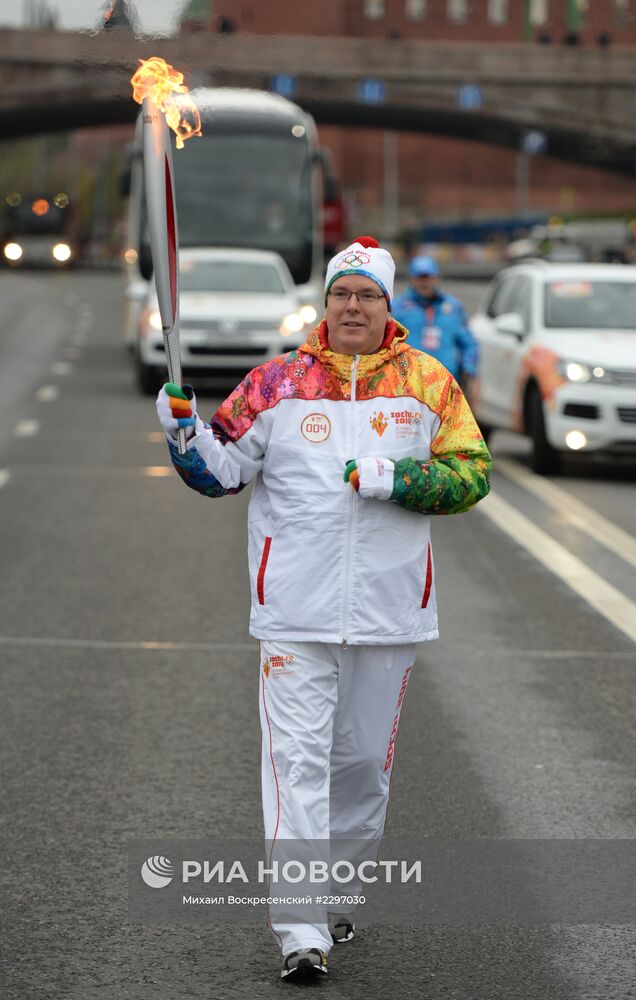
x,y
164,85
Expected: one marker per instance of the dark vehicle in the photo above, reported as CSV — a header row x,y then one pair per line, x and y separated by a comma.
x,y
38,230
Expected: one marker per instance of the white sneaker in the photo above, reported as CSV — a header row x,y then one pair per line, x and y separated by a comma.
x,y
307,963
341,927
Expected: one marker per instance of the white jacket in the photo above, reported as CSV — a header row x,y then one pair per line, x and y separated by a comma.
x,y
326,565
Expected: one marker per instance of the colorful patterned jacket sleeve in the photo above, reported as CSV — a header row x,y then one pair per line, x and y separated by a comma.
x,y
224,455
456,476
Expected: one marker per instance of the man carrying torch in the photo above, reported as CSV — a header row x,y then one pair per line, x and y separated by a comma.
x,y
353,442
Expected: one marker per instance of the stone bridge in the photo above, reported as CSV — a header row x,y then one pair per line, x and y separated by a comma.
x,y
583,99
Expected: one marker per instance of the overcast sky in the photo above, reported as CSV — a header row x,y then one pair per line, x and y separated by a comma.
x,y
155,16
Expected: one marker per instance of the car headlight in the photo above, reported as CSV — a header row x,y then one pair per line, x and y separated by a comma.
x,y
308,314
578,371
61,252
13,251
154,320
293,323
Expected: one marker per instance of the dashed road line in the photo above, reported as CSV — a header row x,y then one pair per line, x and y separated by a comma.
x,y
47,393
4,477
573,510
600,595
26,428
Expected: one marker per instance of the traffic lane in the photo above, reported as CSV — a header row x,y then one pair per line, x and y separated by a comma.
x,y
606,485
582,532
525,673
37,316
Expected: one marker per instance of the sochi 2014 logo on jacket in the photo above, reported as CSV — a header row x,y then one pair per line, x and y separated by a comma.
x,y
316,427
407,423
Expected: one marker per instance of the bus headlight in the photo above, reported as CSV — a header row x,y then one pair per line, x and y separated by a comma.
x,y
61,252
293,323
13,251
308,314
154,320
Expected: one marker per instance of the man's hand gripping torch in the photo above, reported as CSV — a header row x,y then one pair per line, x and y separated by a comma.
x,y
163,97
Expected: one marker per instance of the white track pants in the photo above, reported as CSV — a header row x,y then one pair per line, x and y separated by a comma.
x,y
329,719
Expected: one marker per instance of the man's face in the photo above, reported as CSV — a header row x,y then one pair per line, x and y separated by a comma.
x,y
425,284
356,327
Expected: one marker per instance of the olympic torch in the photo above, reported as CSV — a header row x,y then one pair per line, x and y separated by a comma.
x,y
163,97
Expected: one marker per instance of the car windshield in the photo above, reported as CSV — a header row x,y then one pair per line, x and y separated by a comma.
x,y
229,276
573,303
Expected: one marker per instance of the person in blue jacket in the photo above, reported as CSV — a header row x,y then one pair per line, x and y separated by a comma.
x,y
437,321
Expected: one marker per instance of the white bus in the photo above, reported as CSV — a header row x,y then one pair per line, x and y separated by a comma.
x,y
253,180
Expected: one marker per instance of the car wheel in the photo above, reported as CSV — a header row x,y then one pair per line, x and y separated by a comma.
x,y
148,377
545,459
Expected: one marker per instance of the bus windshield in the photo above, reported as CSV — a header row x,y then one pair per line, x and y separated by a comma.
x,y
35,218
247,190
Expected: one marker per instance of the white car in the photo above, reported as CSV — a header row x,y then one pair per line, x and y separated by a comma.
x,y
558,358
238,309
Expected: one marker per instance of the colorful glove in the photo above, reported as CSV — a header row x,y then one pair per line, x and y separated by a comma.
x,y
371,477
176,408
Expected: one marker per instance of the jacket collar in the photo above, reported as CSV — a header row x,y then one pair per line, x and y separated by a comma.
x,y
317,344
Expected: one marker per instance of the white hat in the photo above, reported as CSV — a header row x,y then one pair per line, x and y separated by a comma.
x,y
364,256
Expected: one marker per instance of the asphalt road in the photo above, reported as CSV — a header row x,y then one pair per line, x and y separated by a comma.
x,y
128,696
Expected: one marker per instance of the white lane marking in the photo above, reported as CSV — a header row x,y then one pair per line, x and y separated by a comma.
x,y
152,646
26,428
61,368
4,477
47,393
607,600
150,471
573,510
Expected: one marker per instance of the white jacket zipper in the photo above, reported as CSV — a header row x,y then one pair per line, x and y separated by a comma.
x,y
351,502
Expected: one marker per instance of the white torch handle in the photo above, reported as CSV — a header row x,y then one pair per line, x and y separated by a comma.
x,y
164,241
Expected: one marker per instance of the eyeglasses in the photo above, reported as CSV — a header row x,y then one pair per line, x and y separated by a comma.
x,y
367,298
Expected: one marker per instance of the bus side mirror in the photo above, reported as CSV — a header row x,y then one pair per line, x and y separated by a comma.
x,y
145,261
125,180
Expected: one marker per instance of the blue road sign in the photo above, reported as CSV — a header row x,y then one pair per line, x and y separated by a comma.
x,y
284,84
372,91
470,97
533,142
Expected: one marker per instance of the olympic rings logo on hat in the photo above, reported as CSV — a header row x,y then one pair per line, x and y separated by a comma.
x,y
356,259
